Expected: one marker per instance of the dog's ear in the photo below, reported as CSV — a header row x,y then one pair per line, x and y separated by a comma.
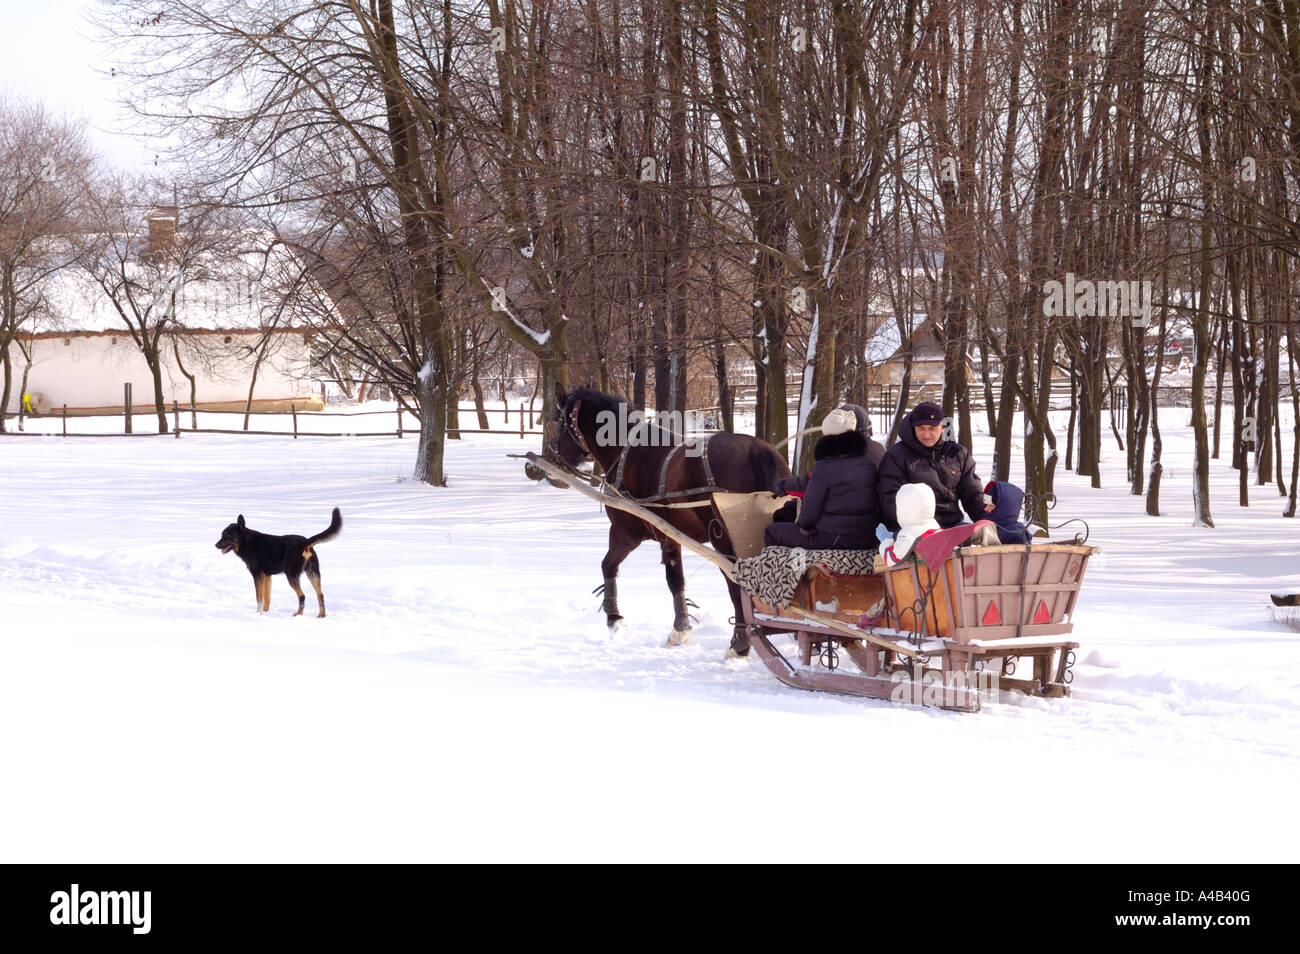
x,y
240,521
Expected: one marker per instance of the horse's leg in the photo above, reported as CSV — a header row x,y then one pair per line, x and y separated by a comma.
x,y
739,636
620,545
676,576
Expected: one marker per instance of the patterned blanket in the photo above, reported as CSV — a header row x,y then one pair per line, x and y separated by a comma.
x,y
774,574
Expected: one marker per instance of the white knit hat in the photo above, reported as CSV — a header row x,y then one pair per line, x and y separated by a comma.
x,y
839,421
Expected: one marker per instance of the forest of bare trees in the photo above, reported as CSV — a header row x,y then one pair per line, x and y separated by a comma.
x,y
648,197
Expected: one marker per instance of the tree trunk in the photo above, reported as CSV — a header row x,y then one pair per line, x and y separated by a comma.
x,y
252,383
6,386
1157,446
1074,415
431,402
479,407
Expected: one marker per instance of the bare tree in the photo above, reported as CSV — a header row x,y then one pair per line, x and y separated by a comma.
x,y
45,165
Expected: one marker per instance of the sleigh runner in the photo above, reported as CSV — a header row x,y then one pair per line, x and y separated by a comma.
x,y
933,633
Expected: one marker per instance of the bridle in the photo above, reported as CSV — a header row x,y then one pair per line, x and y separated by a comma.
x,y
569,422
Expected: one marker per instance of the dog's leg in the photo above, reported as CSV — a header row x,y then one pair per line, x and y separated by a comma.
x,y
266,594
258,580
313,574
302,600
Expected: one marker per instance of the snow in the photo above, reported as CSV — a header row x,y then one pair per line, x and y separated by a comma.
x,y
463,702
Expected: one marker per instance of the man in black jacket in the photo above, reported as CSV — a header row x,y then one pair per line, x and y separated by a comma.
x,y
839,503
922,456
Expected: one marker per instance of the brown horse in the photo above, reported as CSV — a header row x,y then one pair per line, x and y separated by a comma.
x,y
652,464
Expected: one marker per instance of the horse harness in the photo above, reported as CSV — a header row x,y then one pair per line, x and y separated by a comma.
x,y
663,497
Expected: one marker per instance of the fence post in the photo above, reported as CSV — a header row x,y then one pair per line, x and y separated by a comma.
x,y
399,422
521,422
176,418
293,409
126,404
65,420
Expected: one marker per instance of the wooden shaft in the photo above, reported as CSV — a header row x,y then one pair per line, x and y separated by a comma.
x,y
724,564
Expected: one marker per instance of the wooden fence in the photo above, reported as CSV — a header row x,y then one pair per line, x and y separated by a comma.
x,y
404,420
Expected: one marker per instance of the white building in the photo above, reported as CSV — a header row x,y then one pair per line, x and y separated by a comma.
x,y
225,328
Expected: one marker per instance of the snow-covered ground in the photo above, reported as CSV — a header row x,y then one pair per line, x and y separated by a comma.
x,y
462,701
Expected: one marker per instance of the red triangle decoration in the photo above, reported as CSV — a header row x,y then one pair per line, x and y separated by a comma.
x,y
1041,615
991,615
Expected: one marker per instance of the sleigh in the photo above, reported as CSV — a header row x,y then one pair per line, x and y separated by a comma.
x,y
936,635
940,633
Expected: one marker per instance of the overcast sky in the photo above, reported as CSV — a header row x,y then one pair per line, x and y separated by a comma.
x,y
47,52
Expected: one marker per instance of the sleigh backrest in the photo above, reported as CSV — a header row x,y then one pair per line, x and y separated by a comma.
x,y
746,516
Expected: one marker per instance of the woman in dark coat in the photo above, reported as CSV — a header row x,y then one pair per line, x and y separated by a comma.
x,y
922,456
839,503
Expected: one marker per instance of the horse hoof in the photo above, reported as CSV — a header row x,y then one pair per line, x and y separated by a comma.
x,y
615,626
678,636
732,654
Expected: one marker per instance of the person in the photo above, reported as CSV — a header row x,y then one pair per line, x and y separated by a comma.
x,y
839,502
875,453
923,456
1007,500
916,521
875,449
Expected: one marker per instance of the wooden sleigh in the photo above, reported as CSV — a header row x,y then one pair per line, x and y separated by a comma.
x,y
935,633
913,633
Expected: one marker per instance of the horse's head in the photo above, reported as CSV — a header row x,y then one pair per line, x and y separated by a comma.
x,y
564,439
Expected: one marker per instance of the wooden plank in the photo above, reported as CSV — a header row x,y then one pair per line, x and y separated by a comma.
x,y
1014,643
1031,631
1034,588
1013,548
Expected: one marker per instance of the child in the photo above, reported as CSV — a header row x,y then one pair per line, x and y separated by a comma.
x,y
1007,499
915,503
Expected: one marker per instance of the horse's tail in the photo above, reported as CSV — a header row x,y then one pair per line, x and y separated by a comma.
x,y
767,464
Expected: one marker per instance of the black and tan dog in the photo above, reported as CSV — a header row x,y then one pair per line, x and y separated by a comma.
x,y
265,555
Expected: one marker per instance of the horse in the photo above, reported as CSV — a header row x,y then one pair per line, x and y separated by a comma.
x,y
656,467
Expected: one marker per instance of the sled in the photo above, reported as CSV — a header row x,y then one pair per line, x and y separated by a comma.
x,y
935,636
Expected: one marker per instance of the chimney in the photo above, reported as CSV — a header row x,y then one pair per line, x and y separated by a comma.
x,y
162,229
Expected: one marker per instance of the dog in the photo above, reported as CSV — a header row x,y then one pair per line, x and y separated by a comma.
x,y
265,555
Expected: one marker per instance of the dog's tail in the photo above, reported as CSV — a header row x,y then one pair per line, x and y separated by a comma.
x,y
329,533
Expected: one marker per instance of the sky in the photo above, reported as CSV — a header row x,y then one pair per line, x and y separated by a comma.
x,y
48,52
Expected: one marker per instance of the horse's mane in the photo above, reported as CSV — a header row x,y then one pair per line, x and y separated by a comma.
x,y
601,401
598,399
